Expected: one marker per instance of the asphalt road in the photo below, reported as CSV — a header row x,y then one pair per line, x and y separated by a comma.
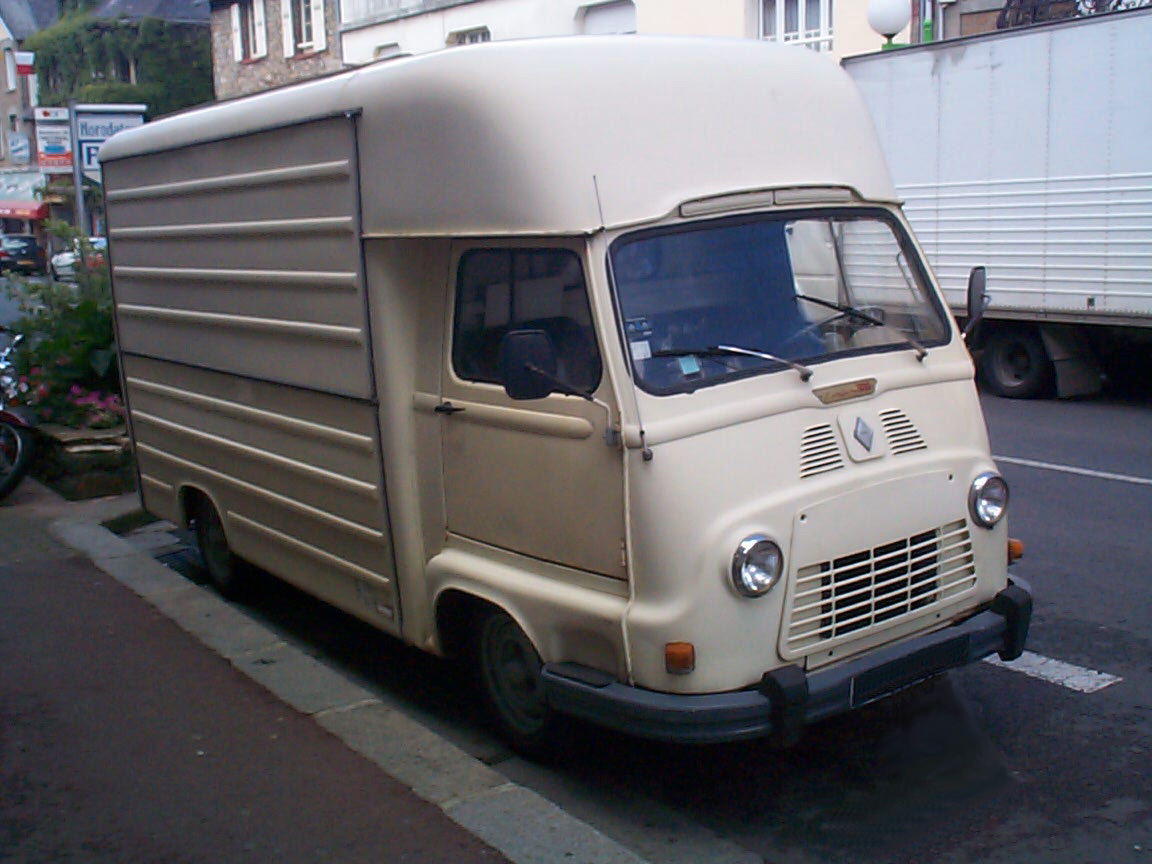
x,y
989,765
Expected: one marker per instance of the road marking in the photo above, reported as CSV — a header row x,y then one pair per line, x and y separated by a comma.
x,y
1057,672
1069,469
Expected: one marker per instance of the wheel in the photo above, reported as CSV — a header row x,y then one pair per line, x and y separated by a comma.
x,y
226,572
16,445
1016,364
509,672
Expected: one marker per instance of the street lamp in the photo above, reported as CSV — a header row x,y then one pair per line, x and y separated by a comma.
x,y
889,17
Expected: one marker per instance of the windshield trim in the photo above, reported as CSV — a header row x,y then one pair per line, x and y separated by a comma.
x,y
900,234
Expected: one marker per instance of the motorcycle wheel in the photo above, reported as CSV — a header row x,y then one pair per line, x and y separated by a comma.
x,y
16,444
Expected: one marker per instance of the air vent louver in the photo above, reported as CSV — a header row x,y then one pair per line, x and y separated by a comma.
x,y
819,451
902,435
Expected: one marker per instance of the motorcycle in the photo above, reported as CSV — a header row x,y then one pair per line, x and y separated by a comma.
x,y
16,424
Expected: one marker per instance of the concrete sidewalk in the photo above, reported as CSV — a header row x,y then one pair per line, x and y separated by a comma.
x,y
404,793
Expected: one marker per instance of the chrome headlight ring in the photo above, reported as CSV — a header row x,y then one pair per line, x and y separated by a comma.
x,y
988,499
757,566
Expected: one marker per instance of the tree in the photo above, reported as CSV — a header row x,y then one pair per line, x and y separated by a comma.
x,y
166,65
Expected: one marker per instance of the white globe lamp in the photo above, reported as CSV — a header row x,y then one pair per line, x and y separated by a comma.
x,y
889,17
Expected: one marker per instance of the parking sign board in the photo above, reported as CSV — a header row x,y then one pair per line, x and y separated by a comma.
x,y
95,124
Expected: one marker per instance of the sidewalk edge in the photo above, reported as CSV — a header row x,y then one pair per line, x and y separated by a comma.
x,y
522,824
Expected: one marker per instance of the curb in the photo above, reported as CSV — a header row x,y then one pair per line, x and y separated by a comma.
x,y
523,825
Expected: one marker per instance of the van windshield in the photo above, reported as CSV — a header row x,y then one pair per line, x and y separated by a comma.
x,y
729,298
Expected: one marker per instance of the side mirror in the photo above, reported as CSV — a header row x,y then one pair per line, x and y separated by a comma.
x,y
528,364
977,298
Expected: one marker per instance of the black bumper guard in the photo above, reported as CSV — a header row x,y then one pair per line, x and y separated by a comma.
x,y
790,698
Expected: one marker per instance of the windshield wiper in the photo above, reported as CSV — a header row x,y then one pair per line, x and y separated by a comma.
x,y
853,312
714,351
805,372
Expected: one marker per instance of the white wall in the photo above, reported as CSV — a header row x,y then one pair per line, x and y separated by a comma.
x,y
737,18
505,19
518,19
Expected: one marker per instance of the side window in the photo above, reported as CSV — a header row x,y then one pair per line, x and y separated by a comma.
x,y
500,290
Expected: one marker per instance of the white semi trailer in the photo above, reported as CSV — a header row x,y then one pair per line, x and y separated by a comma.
x,y
1027,150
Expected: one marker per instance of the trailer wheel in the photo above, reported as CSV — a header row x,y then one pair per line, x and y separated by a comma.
x,y
226,572
1015,364
509,673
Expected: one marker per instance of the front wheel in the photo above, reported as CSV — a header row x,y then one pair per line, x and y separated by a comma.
x,y
509,672
16,444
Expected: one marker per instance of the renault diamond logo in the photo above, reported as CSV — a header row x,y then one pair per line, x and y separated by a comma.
x,y
863,433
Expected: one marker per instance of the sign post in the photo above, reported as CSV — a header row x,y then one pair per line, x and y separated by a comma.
x,y
77,176
69,139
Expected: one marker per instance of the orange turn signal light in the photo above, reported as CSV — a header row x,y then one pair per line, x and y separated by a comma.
x,y
679,657
1015,549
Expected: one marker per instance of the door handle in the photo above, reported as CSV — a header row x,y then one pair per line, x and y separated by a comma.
x,y
447,408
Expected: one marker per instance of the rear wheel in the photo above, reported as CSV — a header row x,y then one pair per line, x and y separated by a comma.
x,y
1016,364
509,672
16,444
226,572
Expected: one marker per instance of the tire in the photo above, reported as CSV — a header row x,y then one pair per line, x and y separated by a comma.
x,y
16,446
509,674
1015,364
226,572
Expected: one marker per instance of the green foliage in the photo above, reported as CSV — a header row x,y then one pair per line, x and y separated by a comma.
x,y
90,59
67,363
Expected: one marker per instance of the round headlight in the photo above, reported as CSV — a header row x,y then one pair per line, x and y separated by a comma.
x,y
988,499
756,566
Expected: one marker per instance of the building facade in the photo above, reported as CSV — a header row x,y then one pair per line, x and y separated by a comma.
x,y
376,29
258,44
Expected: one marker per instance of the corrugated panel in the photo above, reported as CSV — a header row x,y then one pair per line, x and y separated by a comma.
x,y
1060,244
243,256
294,472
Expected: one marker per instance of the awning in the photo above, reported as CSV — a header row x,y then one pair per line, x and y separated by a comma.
x,y
23,210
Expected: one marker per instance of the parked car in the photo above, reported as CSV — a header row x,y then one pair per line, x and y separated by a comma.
x,y
21,253
63,264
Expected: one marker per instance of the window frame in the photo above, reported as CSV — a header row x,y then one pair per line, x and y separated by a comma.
x,y
293,22
900,235
774,15
459,335
249,30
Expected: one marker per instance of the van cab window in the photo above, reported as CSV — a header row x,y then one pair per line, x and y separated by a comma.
x,y
501,290
730,298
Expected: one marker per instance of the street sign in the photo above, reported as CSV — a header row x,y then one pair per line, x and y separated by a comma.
x,y
95,124
53,140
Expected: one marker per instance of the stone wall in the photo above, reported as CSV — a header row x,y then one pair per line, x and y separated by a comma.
x,y
250,76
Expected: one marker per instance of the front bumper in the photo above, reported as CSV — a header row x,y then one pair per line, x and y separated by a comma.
x,y
789,698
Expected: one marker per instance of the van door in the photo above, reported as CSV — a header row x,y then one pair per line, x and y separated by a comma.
x,y
534,477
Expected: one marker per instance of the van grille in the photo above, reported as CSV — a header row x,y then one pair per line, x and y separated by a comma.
x,y
819,451
886,584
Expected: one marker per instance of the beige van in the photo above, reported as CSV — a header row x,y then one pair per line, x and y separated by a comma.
x,y
607,364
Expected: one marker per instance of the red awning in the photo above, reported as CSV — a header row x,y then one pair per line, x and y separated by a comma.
x,y
23,210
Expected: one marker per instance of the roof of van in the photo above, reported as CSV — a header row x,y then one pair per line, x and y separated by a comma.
x,y
568,135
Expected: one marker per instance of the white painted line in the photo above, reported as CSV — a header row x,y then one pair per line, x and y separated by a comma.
x,y
1057,672
1070,469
